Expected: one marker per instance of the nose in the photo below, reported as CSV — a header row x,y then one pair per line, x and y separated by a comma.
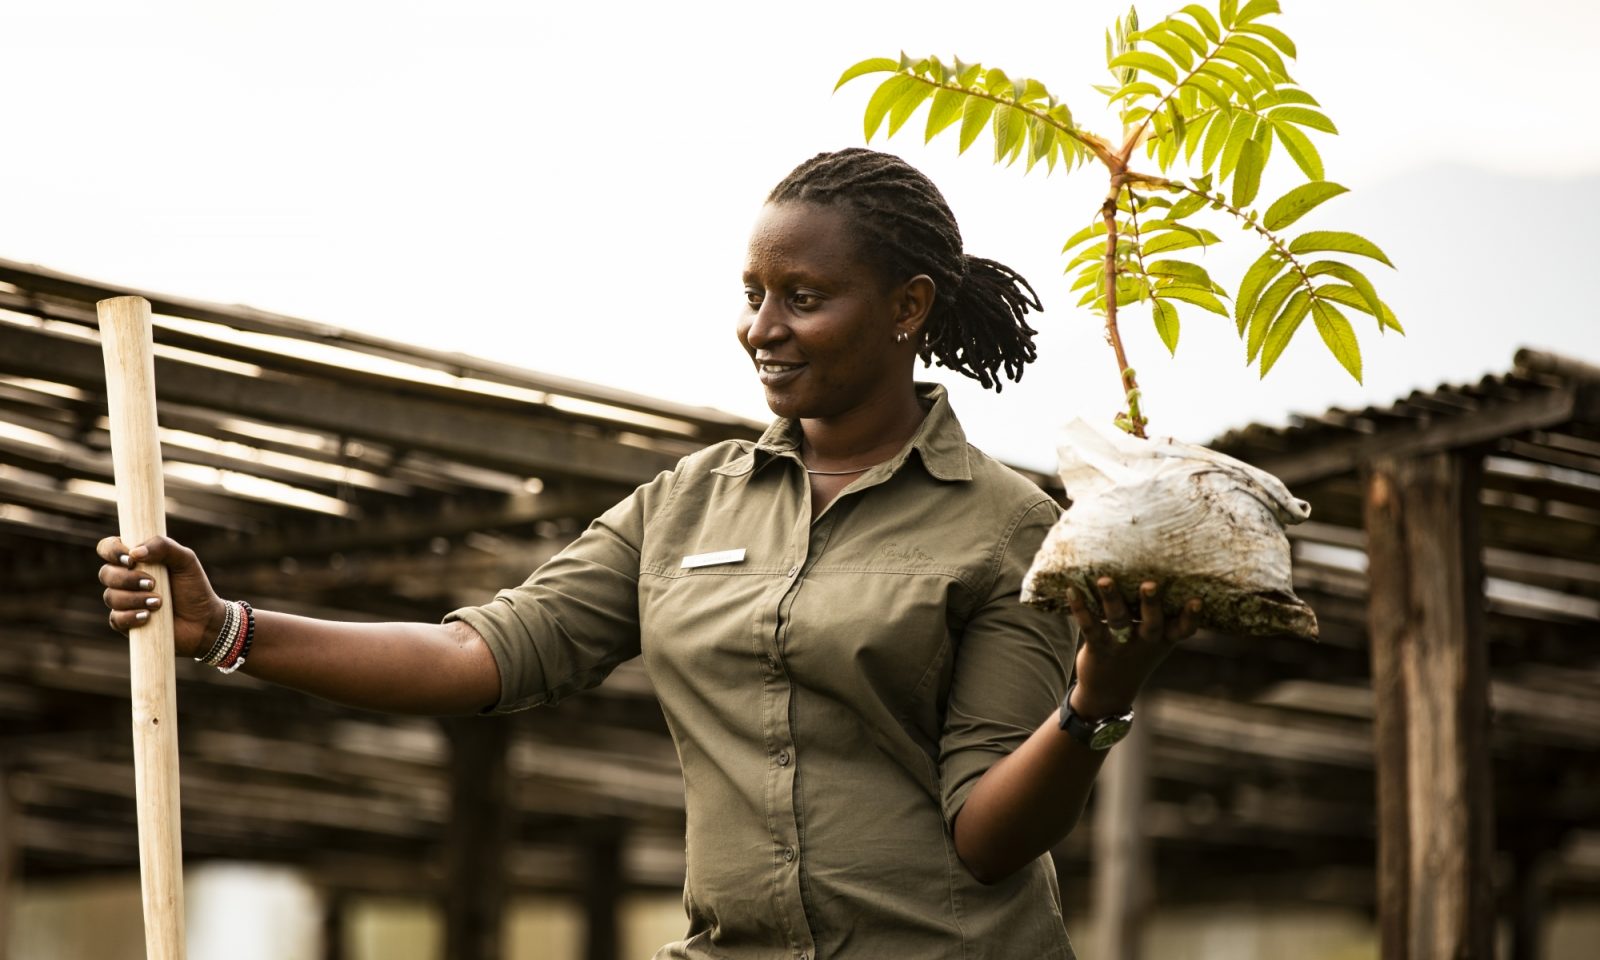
x,y
764,327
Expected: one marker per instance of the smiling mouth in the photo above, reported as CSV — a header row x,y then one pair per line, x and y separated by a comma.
x,y
773,373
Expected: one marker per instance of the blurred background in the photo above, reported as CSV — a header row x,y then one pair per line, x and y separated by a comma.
x,y
515,234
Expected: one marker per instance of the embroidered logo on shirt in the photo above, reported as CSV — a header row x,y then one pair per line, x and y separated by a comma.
x,y
905,556
713,559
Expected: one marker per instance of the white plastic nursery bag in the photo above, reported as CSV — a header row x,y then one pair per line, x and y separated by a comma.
x,y
1200,523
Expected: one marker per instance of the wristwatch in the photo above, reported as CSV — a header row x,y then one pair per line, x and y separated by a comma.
x,y
1099,734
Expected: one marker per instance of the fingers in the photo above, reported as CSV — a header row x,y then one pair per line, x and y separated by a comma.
x,y
1152,620
129,608
111,550
1187,623
1118,623
1088,624
162,550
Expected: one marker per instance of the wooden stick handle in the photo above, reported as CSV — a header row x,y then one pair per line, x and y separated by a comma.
x,y
136,459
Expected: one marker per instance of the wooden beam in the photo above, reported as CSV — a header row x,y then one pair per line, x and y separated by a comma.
x,y
79,293
1430,674
477,837
1547,408
1122,861
491,438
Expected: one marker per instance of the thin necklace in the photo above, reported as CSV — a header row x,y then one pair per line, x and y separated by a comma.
x,y
839,473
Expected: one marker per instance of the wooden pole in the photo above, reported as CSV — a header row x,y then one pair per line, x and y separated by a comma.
x,y
476,883
1121,850
1426,612
125,339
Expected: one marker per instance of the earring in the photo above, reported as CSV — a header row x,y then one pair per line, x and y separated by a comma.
x,y
901,337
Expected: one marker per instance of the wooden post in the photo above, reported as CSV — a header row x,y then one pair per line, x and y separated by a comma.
x,y
1528,882
477,837
1430,677
333,920
602,893
125,340
10,860
1121,850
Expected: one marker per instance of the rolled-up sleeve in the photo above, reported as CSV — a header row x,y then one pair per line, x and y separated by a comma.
x,y
1012,665
576,617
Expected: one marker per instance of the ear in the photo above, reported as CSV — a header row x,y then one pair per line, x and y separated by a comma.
x,y
915,303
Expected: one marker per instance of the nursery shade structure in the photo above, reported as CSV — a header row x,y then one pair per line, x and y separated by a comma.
x,y
332,473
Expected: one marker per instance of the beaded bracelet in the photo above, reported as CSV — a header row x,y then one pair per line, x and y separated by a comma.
x,y
246,635
225,638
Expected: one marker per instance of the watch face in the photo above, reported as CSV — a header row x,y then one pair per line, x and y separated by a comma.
x,y
1108,733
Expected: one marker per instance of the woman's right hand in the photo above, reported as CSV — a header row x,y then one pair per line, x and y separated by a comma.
x,y
197,611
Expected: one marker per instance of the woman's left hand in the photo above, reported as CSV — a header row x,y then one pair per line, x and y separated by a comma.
x,y
1119,654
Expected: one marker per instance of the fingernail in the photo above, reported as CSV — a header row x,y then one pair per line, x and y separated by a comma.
x,y
152,601
147,584
125,560
142,616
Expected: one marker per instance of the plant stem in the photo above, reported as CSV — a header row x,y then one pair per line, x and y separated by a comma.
x,y
1130,385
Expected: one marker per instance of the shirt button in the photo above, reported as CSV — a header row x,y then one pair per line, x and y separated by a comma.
x,y
793,570
788,854
783,759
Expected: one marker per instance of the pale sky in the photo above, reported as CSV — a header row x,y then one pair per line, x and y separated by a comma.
x,y
569,188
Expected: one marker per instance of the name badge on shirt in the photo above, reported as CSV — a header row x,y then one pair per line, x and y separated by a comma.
x,y
713,559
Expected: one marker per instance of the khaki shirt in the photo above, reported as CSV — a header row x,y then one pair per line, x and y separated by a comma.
x,y
835,686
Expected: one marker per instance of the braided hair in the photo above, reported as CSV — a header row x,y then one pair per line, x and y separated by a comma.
x,y
976,325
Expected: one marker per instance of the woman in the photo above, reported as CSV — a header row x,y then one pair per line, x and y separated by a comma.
x,y
874,760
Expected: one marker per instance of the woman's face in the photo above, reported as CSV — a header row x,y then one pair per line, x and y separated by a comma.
x,y
819,321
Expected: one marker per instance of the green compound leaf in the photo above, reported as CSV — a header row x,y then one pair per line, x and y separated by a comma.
x,y
1339,241
1339,336
1261,317
1148,62
1255,280
1166,317
1355,278
1299,146
1231,77
1255,68
1173,45
1351,297
1247,177
872,65
1176,240
945,111
1274,36
1299,202
1182,270
1199,296
1009,129
1263,51
883,98
1194,38
1254,9
1283,329
1096,229
973,118
1207,23
1305,117
1243,126
906,104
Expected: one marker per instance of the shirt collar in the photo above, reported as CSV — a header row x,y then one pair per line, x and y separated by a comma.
x,y
940,443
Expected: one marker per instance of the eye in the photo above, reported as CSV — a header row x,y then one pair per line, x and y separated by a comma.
x,y
752,297
804,300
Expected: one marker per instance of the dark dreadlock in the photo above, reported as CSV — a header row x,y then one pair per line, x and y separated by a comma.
x,y
977,322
